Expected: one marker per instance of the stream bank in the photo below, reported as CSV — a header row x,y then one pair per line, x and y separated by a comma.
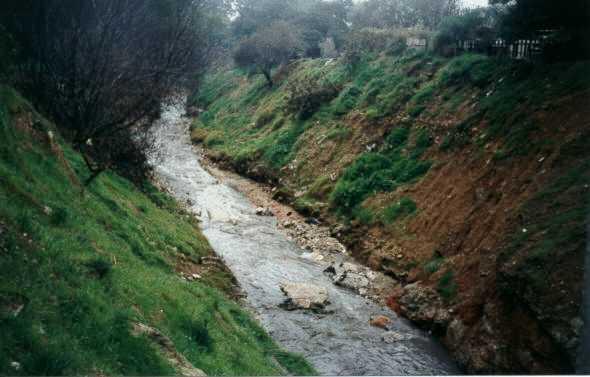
x,y
338,340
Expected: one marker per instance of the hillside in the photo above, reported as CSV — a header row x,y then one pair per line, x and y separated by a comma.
x,y
91,281
465,179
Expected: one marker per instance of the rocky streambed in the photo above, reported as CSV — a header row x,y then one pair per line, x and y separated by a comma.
x,y
298,280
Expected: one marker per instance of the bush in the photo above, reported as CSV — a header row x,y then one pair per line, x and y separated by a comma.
x,y
372,173
381,172
365,176
405,207
397,138
464,69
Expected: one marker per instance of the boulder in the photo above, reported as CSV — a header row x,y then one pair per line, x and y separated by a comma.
x,y
349,275
380,321
304,296
260,211
391,337
354,281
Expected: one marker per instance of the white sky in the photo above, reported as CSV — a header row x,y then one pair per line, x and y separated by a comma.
x,y
474,3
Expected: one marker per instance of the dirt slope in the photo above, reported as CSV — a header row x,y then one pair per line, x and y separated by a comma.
x,y
465,179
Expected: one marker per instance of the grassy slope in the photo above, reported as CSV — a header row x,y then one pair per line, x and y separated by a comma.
x,y
248,123
466,153
87,267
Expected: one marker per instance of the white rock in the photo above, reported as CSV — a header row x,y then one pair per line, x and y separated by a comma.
x,y
304,296
394,337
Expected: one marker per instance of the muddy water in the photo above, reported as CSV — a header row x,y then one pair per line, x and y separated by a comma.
x,y
261,257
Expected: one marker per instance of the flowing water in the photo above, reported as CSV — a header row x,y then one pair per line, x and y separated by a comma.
x,y
261,257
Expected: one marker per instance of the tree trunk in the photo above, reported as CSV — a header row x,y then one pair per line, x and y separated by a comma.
x,y
267,75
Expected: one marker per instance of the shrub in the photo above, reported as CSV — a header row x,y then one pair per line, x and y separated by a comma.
x,y
381,172
405,207
474,69
397,138
363,177
279,149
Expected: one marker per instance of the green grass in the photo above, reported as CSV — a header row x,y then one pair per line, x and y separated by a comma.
x,y
86,267
382,171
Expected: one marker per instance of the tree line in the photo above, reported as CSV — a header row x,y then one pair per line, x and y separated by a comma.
x,y
267,33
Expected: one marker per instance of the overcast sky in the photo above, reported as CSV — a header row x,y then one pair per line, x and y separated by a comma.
x,y
475,2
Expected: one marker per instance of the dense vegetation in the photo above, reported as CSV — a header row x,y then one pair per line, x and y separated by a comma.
x,y
80,269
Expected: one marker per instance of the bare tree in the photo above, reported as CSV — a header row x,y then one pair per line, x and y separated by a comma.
x,y
101,68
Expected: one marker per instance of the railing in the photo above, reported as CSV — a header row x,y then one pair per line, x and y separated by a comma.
x,y
522,49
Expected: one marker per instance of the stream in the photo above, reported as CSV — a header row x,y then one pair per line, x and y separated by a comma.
x,y
262,258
